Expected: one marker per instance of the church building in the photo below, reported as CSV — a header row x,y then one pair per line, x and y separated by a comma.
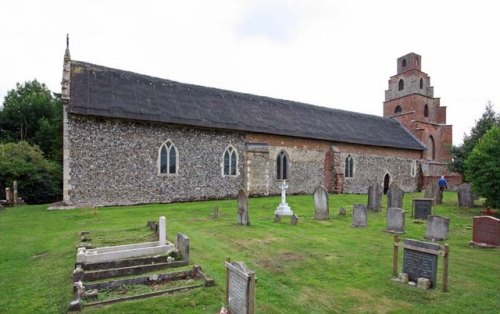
x,y
131,139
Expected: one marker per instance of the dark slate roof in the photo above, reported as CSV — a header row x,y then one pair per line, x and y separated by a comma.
x,y
105,92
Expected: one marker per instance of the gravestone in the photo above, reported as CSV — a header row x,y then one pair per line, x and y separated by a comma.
x,y
294,220
277,218
432,191
465,195
395,220
162,231
375,191
182,244
395,196
283,209
240,285
14,192
8,196
486,231
243,208
437,228
342,211
359,218
422,207
420,260
321,203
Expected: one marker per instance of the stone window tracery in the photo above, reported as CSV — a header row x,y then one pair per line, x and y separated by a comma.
x,y
230,162
282,166
167,161
349,167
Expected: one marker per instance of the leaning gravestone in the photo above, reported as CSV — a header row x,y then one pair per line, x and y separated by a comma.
x,y
465,195
240,284
374,197
422,207
395,196
432,191
359,218
395,220
420,260
486,231
243,208
437,228
321,203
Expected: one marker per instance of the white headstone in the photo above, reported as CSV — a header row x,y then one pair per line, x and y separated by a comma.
x,y
283,209
162,232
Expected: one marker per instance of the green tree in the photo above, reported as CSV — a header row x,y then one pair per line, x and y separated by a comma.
x,y
460,153
32,113
39,180
482,167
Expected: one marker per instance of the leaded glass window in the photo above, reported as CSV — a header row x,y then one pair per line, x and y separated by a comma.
x,y
230,162
282,166
168,158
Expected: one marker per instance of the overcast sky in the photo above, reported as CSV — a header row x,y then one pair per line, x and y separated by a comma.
x,y
337,54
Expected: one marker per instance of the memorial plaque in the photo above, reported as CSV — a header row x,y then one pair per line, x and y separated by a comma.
x,y
240,288
422,207
486,231
420,260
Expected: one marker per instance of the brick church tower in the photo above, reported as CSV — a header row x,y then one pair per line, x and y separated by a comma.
x,y
410,99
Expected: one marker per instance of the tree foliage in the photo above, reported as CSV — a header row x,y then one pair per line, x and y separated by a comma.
x,y
460,153
32,113
39,180
482,167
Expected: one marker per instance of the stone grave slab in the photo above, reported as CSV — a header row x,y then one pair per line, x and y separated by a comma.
x,y
465,195
395,196
359,215
321,203
395,220
375,192
240,285
422,207
243,208
432,191
437,228
420,260
486,231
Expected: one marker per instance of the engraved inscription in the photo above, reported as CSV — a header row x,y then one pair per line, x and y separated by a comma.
x,y
238,293
419,264
422,208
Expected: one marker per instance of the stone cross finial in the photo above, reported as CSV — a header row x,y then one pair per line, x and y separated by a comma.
x,y
283,208
283,188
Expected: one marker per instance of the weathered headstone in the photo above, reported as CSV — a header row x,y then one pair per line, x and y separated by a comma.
x,y
486,231
8,196
422,207
420,260
342,211
432,191
294,220
465,195
162,231
395,220
375,191
243,208
395,196
283,209
240,285
321,203
437,228
182,244
359,215
14,192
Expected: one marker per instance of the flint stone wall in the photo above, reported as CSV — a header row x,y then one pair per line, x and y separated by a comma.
x,y
370,167
115,162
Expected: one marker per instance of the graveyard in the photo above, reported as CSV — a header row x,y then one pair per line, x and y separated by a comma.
x,y
309,266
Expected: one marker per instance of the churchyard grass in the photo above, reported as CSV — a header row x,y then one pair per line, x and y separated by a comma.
x,y
313,267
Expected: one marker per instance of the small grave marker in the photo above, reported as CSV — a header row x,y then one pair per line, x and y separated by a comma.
x,y
422,207
395,220
486,231
359,218
240,288
294,220
342,211
437,228
321,203
374,197
432,191
243,208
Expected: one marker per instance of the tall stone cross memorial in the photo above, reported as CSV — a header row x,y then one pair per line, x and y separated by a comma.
x,y
283,209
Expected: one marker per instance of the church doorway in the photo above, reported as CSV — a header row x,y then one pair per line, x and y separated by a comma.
x,y
387,180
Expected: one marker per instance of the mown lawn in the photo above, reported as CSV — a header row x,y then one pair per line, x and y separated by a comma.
x,y
312,267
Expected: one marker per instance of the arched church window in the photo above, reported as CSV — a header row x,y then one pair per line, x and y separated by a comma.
x,y
431,149
282,166
403,63
413,168
397,109
401,84
230,162
167,161
349,167
421,83
426,110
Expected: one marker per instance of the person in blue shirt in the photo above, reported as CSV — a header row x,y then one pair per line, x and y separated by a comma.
x,y
442,183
